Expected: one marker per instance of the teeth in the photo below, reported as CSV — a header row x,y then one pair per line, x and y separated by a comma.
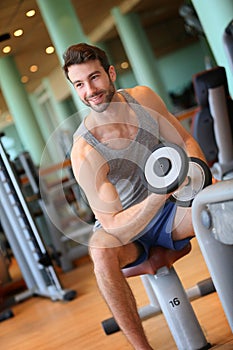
x,y
96,98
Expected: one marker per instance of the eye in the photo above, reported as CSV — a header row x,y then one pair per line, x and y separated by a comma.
x,y
78,85
95,76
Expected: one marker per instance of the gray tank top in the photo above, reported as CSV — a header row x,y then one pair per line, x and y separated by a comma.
x,y
126,164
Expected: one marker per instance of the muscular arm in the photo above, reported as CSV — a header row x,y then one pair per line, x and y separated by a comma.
x,y
91,170
170,128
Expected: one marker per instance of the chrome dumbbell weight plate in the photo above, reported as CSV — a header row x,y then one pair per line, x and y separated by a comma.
x,y
166,168
198,177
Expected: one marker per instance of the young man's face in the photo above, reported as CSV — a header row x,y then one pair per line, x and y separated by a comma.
x,y
93,85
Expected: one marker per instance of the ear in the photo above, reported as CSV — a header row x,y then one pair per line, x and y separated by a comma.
x,y
112,73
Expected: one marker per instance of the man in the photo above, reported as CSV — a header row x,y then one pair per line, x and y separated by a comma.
x,y
107,157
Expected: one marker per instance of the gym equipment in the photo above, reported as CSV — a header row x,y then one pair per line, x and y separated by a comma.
x,y
64,244
199,176
166,294
25,239
228,43
4,264
167,168
213,225
213,124
5,315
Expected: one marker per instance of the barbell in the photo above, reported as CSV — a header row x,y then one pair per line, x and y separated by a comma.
x,y
168,167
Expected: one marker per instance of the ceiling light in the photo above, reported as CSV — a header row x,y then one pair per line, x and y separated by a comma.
x,y
18,32
24,79
30,13
49,50
33,68
124,65
6,49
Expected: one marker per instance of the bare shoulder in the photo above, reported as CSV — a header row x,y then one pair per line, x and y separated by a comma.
x,y
79,149
148,98
80,153
85,159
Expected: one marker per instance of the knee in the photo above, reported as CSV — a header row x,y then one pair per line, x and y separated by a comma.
x,y
104,251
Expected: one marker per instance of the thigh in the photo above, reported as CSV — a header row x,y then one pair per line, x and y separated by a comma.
x,y
182,225
106,246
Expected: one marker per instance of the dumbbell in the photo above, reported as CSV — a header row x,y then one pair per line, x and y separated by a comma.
x,y
168,167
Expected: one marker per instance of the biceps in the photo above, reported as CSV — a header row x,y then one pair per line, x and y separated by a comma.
x,y
91,174
173,131
103,199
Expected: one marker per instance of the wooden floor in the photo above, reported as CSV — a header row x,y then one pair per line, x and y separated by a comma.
x,y
42,324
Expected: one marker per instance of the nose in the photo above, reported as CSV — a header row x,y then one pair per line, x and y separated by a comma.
x,y
90,89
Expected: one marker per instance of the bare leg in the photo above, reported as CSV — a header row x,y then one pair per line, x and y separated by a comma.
x,y
114,287
182,226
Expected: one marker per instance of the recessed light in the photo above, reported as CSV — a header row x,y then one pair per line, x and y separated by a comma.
x,y
30,13
6,49
34,68
124,65
24,79
18,32
49,50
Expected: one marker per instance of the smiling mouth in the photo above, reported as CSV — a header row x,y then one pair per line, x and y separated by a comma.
x,y
96,99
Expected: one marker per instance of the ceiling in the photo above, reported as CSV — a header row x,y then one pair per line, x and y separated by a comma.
x,y
160,19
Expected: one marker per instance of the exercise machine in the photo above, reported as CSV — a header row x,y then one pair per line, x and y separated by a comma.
x,y
213,124
25,239
68,238
213,225
212,208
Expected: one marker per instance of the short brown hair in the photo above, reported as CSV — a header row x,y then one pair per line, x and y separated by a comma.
x,y
82,52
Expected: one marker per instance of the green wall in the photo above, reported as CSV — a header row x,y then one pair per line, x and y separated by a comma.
x,y
176,69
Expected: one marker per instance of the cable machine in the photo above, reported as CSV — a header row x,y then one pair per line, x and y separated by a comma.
x,y
25,239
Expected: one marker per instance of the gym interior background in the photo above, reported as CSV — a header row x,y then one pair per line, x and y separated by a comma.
x,y
160,43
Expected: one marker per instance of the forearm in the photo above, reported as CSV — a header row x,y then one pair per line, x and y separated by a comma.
x,y
193,149
126,224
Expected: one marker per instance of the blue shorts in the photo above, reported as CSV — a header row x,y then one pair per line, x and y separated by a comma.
x,y
159,233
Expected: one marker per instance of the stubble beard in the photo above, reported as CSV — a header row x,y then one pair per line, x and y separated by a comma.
x,y
108,99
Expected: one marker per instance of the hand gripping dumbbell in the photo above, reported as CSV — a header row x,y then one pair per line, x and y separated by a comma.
x,y
168,167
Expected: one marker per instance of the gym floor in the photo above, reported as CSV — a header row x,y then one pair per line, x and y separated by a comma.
x,y
42,324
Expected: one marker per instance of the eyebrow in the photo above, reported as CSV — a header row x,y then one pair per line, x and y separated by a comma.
x,y
89,76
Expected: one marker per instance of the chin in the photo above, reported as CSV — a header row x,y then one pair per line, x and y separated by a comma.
x,y
100,108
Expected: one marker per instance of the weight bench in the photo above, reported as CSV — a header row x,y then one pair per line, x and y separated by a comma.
x,y
167,295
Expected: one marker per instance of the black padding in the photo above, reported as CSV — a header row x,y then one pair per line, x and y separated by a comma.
x,y
206,80
203,132
202,128
206,287
110,326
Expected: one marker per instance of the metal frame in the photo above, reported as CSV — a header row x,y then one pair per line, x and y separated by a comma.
x,y
218,255
25,239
